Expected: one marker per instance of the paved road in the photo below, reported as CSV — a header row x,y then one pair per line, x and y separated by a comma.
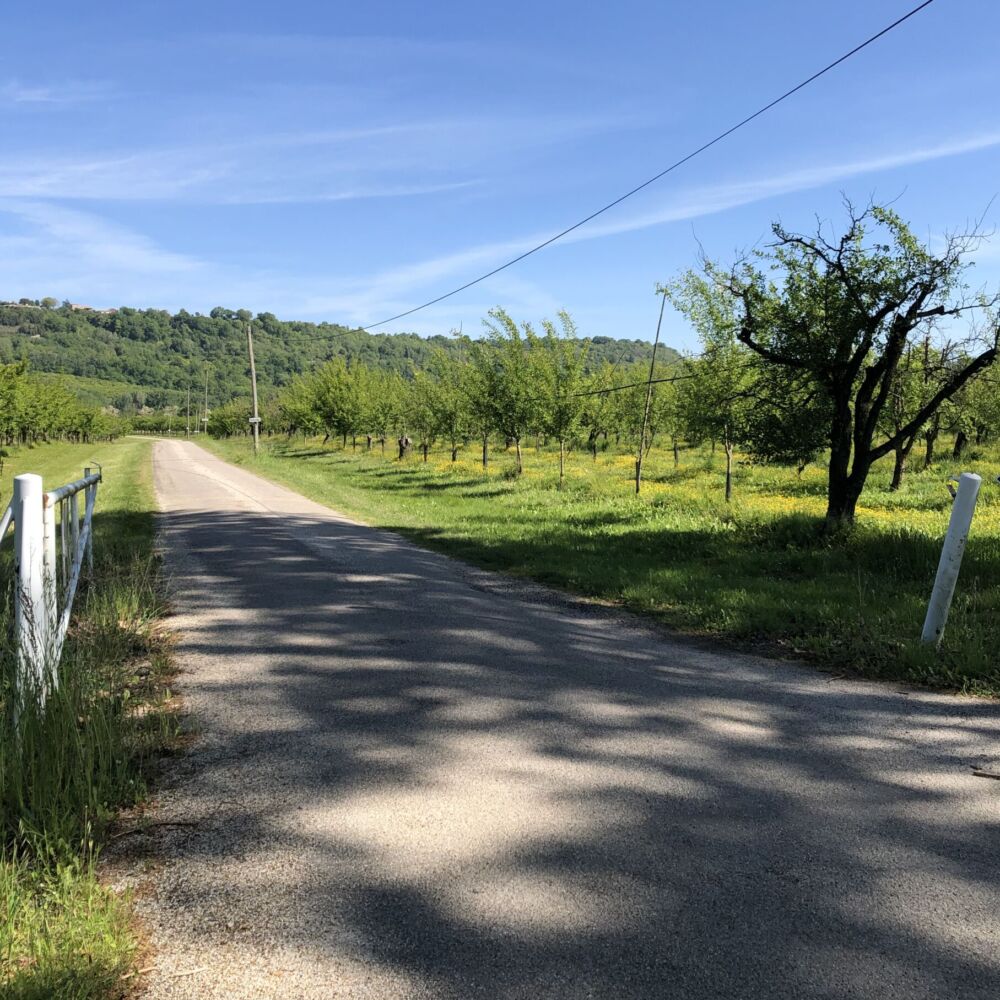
x,y
414,779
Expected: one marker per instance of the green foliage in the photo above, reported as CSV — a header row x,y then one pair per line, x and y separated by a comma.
x,y
33,409
830,322
149,358
64,934
560,378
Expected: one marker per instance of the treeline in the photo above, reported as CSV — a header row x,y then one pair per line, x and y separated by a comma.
x,y
34,409
514,383
165,355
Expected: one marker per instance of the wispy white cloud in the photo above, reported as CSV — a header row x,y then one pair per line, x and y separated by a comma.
x,y
50,248
18,93
378,294
403,159
67,238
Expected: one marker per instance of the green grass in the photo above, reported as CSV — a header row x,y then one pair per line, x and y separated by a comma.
x,y
66,770
757,573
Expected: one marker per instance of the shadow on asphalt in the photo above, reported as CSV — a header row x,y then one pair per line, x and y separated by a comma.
x,y
567,806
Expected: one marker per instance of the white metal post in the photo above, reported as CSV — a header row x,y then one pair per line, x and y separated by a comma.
x,y
49,568
64,540
74,525
88,502
29,570
951,557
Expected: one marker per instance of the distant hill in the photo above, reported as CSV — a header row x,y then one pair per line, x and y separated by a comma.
x,y
131,358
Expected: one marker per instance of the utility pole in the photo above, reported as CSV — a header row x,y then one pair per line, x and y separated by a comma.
x,y
188,434
255,419
204,418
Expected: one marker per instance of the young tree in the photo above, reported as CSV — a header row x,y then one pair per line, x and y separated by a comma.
x,y
843,312
385,397
504,388
337,400
598,414
561,360
716,399
422,410
449,402
297,409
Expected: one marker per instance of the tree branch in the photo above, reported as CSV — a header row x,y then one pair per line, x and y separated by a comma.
x,y
927,410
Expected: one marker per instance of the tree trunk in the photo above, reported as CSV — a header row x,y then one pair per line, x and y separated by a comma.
x,y
961,440
931,438
897,470
729,469
677,455
425,446
354,442
345,440
841,499
486,451
368,442
520,464
454,452
562,456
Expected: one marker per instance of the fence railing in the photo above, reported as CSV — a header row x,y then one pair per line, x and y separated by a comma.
x,y
49,557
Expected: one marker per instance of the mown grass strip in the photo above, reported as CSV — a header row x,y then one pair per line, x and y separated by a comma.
x,y
758,572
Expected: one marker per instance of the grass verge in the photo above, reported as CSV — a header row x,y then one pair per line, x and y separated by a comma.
x,y
756,572
65,771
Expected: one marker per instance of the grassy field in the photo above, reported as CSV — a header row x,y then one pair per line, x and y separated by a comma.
x,y
65,772
757,573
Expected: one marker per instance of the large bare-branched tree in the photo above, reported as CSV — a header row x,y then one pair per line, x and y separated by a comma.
x,y
844,312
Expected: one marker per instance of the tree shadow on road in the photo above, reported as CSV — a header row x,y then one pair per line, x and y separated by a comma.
x,y
486,791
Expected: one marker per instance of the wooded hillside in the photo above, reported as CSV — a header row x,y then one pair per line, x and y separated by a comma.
x,y
133,358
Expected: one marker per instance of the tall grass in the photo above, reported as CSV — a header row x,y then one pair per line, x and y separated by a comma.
x,y
67,767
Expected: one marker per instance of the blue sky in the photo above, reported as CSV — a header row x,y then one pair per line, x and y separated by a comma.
x,y
345,162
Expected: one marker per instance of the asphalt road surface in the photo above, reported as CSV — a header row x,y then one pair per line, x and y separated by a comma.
x,y
416,779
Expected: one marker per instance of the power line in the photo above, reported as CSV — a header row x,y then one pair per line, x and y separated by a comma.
x,y
632,385
663,173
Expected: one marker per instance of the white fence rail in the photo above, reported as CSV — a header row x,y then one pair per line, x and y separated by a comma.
x,y
49,557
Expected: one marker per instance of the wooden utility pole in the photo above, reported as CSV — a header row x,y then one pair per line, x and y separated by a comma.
x,y
649,395
255,419
204,416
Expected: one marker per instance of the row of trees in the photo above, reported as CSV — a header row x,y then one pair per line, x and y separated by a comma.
x,y
34,408
512,383
856,346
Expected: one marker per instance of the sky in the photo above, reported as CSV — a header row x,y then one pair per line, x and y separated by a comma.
x,y
345,162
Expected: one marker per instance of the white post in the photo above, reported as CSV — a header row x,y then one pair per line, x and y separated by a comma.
x,y
64,540
90,537
951,557
29,570
74,526
49,548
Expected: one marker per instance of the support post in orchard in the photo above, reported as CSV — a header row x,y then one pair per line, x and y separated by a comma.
x,y
649,396
951,557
